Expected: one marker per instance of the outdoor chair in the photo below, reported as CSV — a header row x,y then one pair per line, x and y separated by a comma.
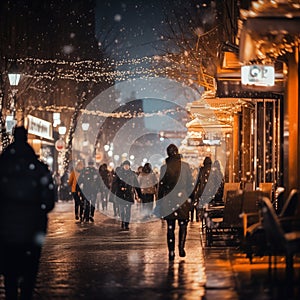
x,y
250,209
290,213
230,186
267,189
279,242
226,230
254,242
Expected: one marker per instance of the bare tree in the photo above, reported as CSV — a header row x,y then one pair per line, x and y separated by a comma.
x,y
192,39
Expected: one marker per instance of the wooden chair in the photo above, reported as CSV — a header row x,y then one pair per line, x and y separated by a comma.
x,y
254,242
250,209
279,242
267,189
230,186
226,229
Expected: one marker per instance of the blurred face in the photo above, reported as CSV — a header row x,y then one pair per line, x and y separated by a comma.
x,y
79,166
126,167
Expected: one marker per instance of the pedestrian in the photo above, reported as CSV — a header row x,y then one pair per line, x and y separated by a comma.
x,y
78,203
27,195
88,187
174,189
148,184
113,198
215,185
125,185
105,175
65,190
201,196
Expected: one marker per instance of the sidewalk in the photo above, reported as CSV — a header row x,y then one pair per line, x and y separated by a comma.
x,y
100,261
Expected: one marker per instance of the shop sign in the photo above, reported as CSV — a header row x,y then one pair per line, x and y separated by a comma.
x,y
261,75
39,127
195,142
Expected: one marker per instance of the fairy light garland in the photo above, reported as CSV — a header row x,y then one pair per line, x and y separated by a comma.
x,y
117,115
108,70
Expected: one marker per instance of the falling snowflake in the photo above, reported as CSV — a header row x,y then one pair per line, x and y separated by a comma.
x,y
117,17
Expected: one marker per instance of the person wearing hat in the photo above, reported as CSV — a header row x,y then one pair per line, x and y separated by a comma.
x,y
174,190
88,187
125,184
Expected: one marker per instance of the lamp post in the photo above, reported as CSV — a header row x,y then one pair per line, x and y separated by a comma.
x,y
60,146
85,145
14,77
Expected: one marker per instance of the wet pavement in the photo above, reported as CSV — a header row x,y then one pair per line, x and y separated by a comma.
x,y
100,261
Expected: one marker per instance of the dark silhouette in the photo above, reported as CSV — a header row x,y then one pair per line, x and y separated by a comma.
x,y
174,188
27,195
78,203
106,177
201,195
124,185
215,185
88,186
148,184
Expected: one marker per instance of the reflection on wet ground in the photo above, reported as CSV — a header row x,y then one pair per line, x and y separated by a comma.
x,y
100,261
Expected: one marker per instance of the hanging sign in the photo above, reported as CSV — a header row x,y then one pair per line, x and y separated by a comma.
x,y
60,145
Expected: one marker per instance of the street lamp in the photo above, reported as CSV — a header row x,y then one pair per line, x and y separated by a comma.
x,y
62,130
85,128
14,77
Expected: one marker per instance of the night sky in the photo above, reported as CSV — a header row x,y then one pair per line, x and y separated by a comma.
x,y
136,25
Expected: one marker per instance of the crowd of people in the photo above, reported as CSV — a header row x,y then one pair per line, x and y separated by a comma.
x,y
172,194
28,194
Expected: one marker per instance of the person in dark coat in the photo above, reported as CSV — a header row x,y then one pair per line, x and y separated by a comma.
x,y
27,195
88,186
105,175
124,186
201,195
215,184
174,190
148,184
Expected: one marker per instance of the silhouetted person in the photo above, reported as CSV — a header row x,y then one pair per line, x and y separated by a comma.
x,y
106,177
215,185
174,188
89,186
148,184
124,186
78,203
201,195
26,196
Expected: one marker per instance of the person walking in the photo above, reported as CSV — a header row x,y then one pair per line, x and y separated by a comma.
x,y
78,204
201,196
27,196
124,186
215,184
88,187
105,175
148,184
174,189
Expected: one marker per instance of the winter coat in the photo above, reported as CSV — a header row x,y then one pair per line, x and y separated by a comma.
x,y
147,182
106,179
73,179
125,183
89,183
27,194
209,186
174,189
